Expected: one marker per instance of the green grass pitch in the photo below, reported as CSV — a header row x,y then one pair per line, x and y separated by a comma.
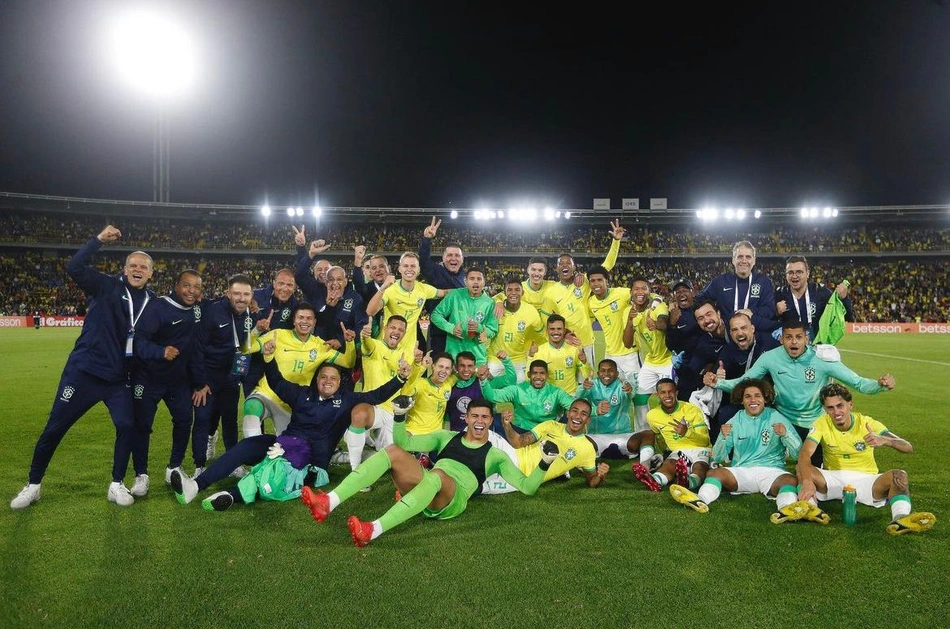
x,y
617,556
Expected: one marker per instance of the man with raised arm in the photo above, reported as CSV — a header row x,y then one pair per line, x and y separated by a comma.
x,y
449,274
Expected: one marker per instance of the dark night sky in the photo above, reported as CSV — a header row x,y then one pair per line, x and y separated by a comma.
x,y
423,104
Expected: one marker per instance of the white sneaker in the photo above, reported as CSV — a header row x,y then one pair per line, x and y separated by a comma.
x,y
140,486
340,457
212,444
185,487
239,472
198,472
168,474
27,496
120,494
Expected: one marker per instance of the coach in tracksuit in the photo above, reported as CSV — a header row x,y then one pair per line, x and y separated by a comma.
x,y
97,369
275,307
165,370
224,331
447,275
743,289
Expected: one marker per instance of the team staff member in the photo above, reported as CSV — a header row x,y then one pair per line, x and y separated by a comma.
x,y
97,369
449,274
165,370
807,300
743,289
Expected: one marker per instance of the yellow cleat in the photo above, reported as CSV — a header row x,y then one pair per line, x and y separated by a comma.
x,y
815,514
791,513
686,497
913,523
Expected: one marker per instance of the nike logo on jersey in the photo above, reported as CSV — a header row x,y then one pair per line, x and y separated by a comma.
x,y
726,289
780,373
680,327
223,325
742,438
177,322
718,349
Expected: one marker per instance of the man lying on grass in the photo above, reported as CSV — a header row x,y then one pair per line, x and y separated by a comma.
x,y
465,460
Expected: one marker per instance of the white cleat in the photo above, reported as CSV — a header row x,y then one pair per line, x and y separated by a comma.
x,y
185,487
168,474
120,494
140,486
27,496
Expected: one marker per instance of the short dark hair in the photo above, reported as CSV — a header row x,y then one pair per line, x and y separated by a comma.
x,y
302,306
475,269
397,318
480,402
834,389
538,363
794,259
239,278
599,270
793,323
465,354
665,381
555,318
607,360
513,279
640,278
590,406
187,272
442,355
538,260
706,301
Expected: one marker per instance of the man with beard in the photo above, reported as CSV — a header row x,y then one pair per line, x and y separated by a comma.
x,y
807,299
739,356
449,274
519,327
535,401
566,363
165,370
467,316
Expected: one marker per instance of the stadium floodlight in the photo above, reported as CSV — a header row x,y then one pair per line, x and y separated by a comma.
x,y
834,212
804,212
492,214
548,214
454,214
317,211
557,214
152,53
826,212
290,212
501,214
740,214
730,214
699,214
758,214
265,211
532,213
814,212
567,215
299,211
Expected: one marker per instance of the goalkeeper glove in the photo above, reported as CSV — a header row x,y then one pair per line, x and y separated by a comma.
x,y
549,452
275,451
401,406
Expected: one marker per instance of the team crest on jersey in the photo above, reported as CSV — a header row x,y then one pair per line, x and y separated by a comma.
x,y
462,403
347,305
285,314
522,326
419,302
569,361
570,454
138,391
479,316
613,306
337,402
860,446
614,400
766,437
197,310
313,355
447,395
756,290
812,309
68,392
578,292
810,374
248,324
547,407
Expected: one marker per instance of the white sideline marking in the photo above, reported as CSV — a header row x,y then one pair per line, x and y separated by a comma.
x,y
913,360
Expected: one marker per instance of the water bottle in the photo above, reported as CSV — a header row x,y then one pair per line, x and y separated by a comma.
x,y
849,510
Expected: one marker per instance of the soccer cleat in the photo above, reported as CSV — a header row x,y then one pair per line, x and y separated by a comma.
x,y
168,474
220,501
686,497
362,532
239,472
815,514
682,471
791,512
27,496
340,457
318,503
185,488
643,475
212,443
367,489
912,523
120,494
140,486
655,462
198,472
424,461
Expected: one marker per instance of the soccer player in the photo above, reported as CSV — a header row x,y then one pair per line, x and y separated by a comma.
x,y
571,299
609,426
404,298
566,363
519,327
576,450
646,330
448,275
849,441
759,439
467,316
430,394
272,309
610,307
223,343
743,289
96,369
807,299
799,374
535,401
382,360
320,414
465,388
682,333
298,353
165,370
465,460
683,428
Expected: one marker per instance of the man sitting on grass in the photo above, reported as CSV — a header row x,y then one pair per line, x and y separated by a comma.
x,y
465,460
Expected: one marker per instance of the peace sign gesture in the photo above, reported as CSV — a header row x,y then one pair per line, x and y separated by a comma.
x,y
430,231
300,235
616,230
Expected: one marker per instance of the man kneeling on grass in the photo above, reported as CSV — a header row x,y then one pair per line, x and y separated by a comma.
x,y
848,440
465,460
757,439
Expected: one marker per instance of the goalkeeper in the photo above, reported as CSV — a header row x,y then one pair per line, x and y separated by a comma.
x,y
465,460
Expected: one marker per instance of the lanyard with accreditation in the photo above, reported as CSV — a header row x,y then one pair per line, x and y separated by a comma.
x,y
133,319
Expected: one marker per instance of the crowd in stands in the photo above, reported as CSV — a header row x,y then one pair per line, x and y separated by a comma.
x,y
882,289
496,237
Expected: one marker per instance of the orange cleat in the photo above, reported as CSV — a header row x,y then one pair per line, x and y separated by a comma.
x,y
318,503
362,532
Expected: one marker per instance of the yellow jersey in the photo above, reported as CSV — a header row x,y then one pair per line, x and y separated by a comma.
x,y
516,332
612,312
563,365
652,343
428,413
846,449
697,432
380,364
407,304
575,451
570,301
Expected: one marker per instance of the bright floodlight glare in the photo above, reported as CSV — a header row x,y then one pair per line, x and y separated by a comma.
x,y
454,214
548,214
834,212
501,214
317,211
826,212
730,214
814,212
758,213
492,214
265,210
290,212
567,215
699,214
532,213
740,214
152,53
299,211
804,212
